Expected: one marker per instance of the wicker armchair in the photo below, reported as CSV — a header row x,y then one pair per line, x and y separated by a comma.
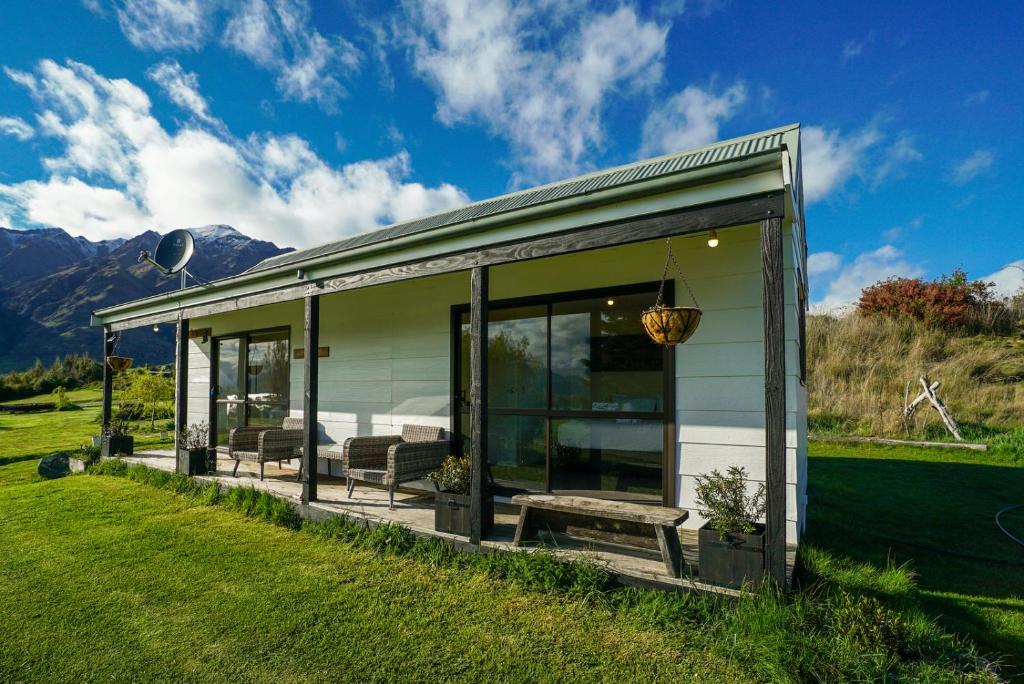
x,y
392,460
259,444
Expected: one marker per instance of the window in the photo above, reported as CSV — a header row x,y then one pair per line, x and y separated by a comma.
x,y
576,394
252,378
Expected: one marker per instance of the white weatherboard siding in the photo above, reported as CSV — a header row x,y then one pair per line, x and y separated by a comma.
x,y
390,346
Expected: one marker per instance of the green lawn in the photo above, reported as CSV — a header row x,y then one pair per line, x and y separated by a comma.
x,y
107,578
933,509
91,394
41,433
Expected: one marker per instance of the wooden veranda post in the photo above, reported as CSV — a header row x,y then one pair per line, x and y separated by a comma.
x,y
181,383
479,286
310,398
774,400
108,378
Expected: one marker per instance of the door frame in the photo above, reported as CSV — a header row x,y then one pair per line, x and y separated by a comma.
x,y
667,415
243,337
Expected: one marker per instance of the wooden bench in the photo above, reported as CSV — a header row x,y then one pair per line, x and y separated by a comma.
x,y
664,520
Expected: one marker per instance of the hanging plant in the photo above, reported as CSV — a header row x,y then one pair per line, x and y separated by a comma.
x,y
671,325
119,363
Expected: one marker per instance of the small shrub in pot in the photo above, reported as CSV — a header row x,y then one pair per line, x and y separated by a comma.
x,y
731,542
452,500
194,455
116,440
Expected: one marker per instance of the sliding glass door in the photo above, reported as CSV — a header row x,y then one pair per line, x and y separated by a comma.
x,y
576,394
251,378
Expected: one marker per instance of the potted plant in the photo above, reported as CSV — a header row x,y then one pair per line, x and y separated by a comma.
x,y
731,542
194,453
116,440
451,502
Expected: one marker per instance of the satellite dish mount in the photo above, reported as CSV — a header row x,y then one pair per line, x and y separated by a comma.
x,y
172,254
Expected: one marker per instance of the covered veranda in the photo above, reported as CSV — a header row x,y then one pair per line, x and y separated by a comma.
x,y
756,210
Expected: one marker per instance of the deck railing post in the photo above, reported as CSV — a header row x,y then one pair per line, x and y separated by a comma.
x,y
108,379
479,286
311,396
181,383
774,399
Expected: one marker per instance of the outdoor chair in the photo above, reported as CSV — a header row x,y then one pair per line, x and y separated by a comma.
x,y
259,444
392,460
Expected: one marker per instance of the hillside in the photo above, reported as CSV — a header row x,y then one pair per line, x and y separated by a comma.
x,y
50,282
858,368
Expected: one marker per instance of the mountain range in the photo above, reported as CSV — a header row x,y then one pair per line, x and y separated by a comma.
x,y
50,282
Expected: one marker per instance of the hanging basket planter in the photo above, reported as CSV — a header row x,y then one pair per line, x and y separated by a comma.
x,y
119,363
671,325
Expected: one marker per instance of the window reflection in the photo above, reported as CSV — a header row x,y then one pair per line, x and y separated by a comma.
x,y
601,363
600,358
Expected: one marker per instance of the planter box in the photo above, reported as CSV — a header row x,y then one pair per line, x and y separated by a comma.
x,y
195,461
112,446
733,561
451,513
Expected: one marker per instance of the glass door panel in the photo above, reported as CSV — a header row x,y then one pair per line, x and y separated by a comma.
x,y
611,455
268,377
601,359
229,392
517,451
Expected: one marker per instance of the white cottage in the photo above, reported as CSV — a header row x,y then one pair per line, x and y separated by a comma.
x,y
570,396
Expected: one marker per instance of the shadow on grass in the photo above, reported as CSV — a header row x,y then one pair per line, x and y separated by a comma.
x,y
939,517
8,460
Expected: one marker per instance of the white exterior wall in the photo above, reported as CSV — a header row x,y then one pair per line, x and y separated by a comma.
x,y
390,346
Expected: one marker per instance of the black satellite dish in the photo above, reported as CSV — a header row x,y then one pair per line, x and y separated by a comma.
x,y
174,251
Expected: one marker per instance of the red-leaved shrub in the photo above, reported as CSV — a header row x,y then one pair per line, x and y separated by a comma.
x,y
948,301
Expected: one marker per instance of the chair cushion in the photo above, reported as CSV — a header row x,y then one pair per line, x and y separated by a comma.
x,y
421,433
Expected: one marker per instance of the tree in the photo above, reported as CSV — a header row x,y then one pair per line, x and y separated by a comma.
x,y
149,390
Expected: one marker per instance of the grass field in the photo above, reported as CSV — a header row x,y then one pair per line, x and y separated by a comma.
x,y
108,578
934,510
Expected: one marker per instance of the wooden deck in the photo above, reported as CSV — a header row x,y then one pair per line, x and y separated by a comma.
x,y
414,509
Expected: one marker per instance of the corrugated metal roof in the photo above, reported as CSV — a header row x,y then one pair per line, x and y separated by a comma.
x,y
725,151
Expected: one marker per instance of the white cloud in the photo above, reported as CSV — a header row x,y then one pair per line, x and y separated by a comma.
x,y
980,161
896,233
280,37
14,126
895,159
120,172
976,98
182,87
851,49
504,65
1009,279
277,35
690,118
821,263
164,24
843,283
829,158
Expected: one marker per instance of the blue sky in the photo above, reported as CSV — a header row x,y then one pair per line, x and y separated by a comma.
x,y
300,122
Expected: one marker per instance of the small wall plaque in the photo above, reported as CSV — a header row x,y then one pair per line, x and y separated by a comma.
x,y
300,353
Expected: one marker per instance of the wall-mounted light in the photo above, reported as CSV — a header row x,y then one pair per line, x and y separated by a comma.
x,y
156,328
611,302
300,274
713,239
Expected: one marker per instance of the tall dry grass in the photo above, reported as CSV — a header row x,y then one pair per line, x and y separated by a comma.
x,y
858,368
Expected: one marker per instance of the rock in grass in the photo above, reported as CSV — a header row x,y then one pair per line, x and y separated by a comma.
x,y
54,466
